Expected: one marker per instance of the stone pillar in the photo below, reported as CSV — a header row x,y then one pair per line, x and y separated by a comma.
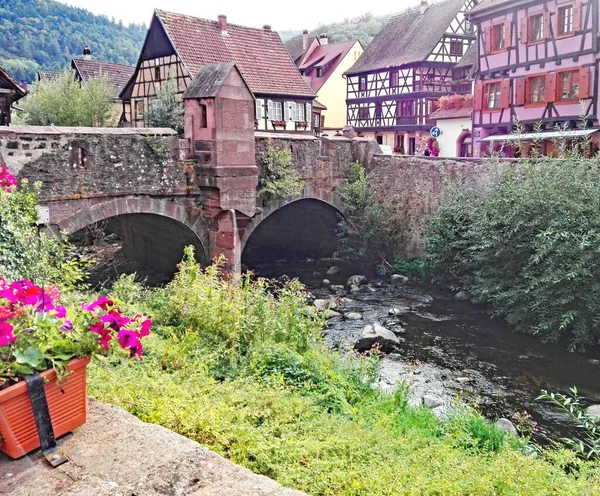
x,y
225,241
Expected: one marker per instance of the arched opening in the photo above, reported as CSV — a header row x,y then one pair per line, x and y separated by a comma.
x,y
283,241
464,144
148,244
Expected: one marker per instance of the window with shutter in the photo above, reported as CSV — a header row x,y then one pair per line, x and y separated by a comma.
x,y
565,20
308,112
286,110
270,111
259,109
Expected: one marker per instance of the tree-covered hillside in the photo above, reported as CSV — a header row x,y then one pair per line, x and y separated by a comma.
x,y
45,35
363,28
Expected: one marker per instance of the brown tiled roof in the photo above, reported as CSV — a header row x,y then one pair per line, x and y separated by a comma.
x,y
117,74
469,59
408,38
295,49
490,4
259,53
208,81
48,75
323,55
9,83
460,113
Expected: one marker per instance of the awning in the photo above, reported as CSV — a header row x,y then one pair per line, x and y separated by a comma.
x,y
567,133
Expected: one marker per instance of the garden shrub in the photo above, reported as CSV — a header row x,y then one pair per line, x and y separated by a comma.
x,y
528,246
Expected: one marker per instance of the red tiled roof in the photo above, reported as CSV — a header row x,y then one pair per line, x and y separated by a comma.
x,y
259,53
320,57
117,74
8,82
453,113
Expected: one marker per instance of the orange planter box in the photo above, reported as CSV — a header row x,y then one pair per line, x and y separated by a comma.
x,y
67,403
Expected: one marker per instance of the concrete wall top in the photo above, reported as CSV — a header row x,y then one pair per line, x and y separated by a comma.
x,y
102,131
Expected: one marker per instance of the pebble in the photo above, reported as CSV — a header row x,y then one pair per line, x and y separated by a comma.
x,y
330,314
462,296
353,316
395,311
507,426
398,278
333,270
431,401
463,380
326,283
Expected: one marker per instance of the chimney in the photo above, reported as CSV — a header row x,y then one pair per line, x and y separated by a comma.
x,y
267,27
305,39
323,39
423,6
223,24
87,53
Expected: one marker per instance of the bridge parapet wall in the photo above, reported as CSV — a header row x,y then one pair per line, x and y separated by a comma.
x,y
75,163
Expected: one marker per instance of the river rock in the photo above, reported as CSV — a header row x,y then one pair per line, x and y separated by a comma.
x,y
432,401
324,304
353,316
376,334
463,380
333,270
310,260
395,311
354,289
593,361
462,296
330,314
593,411
357,280
336,288
398,279
326,283
507,426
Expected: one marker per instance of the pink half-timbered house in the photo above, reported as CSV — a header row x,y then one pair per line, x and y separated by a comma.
x,y
395,85
538,66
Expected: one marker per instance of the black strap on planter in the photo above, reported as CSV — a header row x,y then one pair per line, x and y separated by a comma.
x,y
43,422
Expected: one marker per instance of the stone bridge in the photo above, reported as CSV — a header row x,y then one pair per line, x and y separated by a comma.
x,y
166,198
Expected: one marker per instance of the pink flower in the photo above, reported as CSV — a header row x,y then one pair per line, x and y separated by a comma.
x,y
59,312
103,302
115,320
145,327
7,180
5,313
6,335
67,325
131,340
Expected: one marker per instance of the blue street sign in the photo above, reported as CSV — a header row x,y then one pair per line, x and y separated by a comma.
x,y
435,132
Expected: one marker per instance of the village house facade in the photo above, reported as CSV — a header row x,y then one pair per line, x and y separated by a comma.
x,y
394,87
177,46
323,64
10,93
538,65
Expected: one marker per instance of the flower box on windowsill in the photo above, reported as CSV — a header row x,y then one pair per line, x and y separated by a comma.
x,y
66,401
301,125
279,124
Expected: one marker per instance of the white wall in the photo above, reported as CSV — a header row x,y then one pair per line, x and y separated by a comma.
x,y
451,129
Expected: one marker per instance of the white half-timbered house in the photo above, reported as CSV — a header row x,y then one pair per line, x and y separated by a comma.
x,y
395,85
178,45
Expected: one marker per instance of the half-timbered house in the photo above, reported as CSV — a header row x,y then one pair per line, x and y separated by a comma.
x,y
10,92
394,86
177,46
538,65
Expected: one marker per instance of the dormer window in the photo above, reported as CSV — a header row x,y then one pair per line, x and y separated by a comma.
x,y
456,48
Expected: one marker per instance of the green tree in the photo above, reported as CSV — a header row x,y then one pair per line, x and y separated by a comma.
x,y
67,102
166,110
278,178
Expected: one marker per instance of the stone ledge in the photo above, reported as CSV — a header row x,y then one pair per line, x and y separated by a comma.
x,y
116,454
65,131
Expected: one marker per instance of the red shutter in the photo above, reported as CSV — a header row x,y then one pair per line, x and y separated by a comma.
x,y
478,97
524,29
576,17
550,88
546,25
584,82
488,39
508,33
505,94
520,89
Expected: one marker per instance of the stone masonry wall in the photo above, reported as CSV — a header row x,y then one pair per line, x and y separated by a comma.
x,y
74,163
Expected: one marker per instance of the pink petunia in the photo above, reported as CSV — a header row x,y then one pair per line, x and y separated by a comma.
x,y
6,335
102,302
60,312
131,340
115,320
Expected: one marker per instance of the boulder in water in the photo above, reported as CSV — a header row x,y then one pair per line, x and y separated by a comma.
x,y
376,334
357,280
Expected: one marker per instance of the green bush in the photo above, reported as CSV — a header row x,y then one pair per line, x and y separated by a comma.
x,y
278,178
528,246
26,253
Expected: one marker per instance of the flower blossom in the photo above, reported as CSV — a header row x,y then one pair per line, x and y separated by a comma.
x,y
6,335
7,181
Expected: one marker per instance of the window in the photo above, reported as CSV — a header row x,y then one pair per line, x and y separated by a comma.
x,y
498,37
274,110
363,113
298,112
405,108
202,117
319,72
568,85
362,84
378,111
259,109
157,73
139,110
469,28
394,79
536,89
536,28
456,48
492,95
565,20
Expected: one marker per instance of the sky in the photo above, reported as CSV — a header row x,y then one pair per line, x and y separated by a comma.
x,y
280,14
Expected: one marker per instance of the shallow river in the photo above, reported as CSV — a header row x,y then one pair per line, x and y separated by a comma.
x,y
454,348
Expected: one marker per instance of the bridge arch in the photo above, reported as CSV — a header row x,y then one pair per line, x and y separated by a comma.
x,y
153,231
293,229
